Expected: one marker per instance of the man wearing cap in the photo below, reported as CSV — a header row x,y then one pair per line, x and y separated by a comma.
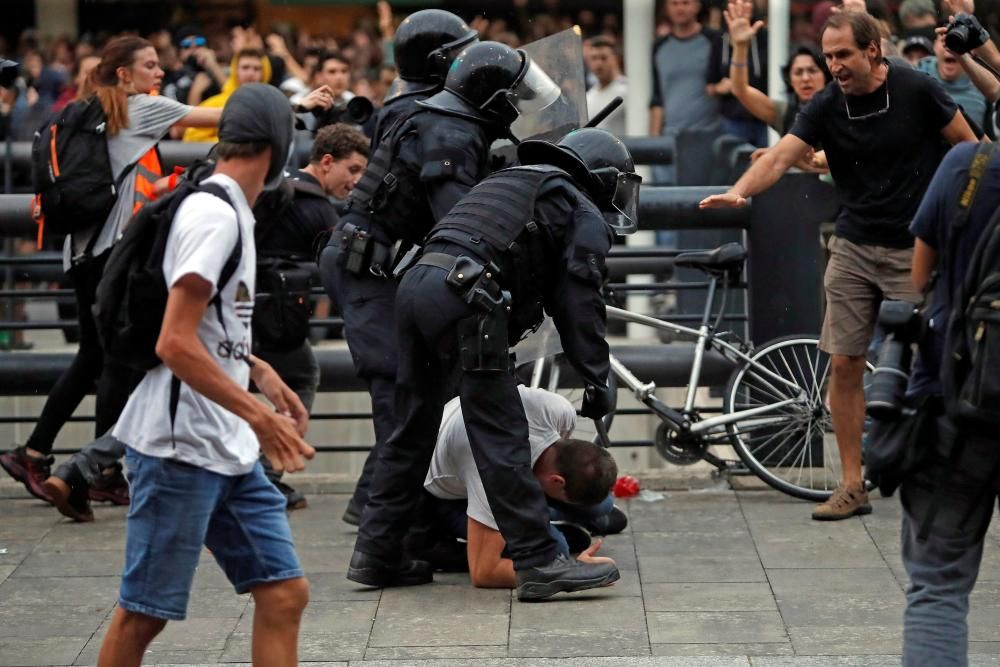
x,y
193,429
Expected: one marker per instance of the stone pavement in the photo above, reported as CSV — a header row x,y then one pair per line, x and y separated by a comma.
x,y
708,578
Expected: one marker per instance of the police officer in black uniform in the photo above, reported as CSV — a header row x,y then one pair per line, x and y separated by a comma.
x,y
424,164
425,45
525,239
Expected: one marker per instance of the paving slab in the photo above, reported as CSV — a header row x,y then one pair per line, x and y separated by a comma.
x,y
870,594
708,578
770,648
589,623
72,564
48,651
709,597
738,627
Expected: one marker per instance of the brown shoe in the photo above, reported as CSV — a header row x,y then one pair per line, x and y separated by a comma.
x,y
29,470
71,502
846,501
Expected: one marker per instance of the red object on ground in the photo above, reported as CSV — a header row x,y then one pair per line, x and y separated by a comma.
x,y
626,487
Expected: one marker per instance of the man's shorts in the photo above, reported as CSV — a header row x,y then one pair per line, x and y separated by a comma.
x,y
858,278
176,509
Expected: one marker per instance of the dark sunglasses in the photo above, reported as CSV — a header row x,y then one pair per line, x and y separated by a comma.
x,y
188,42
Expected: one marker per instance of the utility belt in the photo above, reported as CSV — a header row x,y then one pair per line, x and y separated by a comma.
x,y
362,253
475,283
483,336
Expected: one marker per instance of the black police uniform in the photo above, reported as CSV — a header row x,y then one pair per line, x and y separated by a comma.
x,y
431,160
524,239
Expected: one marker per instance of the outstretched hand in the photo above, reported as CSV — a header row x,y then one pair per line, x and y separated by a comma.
x,y
738,15
726,200
587,555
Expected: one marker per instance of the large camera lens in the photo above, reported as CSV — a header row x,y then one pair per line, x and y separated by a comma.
x,y
889,382
957,38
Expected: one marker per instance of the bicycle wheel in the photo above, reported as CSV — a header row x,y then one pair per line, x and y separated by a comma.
x,y
785,446
553,378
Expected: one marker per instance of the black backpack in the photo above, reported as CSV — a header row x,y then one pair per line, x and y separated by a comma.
x,y
282,304
71,170
132,293
970,367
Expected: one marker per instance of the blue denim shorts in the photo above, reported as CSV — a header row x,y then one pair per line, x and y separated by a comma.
x,y
176,509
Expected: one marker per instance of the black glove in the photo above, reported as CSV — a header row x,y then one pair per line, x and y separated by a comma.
x,y
596,402
965,33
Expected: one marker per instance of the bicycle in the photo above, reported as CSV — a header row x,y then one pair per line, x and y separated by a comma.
x,y
774,413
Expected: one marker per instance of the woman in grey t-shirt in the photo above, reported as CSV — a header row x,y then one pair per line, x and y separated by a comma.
x,y
129,70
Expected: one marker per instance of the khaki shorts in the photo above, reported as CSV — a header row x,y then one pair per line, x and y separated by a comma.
x,y
858,278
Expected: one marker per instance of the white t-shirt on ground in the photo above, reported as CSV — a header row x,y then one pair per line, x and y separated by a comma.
x,y
203,433
453,474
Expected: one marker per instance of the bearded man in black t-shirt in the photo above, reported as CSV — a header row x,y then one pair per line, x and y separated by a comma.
x,y
881,127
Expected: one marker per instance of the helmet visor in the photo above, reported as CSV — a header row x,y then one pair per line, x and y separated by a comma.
x,y
535,91
624,216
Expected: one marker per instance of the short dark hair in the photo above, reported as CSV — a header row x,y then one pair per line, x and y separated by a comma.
x,y
228,150
333,55
589,470
338,140
864,28
249,52
604,42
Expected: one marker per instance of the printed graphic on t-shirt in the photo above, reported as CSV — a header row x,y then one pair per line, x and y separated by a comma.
x,y
244,304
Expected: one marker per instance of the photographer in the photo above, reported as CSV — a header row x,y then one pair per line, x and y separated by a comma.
x,y
948,500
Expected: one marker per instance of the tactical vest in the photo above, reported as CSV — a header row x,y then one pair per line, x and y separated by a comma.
x,y
494,223
389,195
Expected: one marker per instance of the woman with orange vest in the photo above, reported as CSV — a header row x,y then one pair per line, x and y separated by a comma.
x,y
128,74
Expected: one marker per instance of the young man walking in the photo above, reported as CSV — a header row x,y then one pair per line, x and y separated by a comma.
x,y
193,429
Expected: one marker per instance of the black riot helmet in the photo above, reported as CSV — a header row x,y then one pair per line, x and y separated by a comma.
x,y
492,83
427,42
601,164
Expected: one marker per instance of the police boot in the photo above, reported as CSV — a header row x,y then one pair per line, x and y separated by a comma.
x,y
563,575
369,570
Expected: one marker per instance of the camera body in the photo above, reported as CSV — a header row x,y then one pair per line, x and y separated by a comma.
x,y
356,110
965,33
903,325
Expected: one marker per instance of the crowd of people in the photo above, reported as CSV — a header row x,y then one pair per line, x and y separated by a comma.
x,y
439,261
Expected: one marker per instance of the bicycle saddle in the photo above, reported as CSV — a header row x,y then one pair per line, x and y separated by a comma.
x,y
725,258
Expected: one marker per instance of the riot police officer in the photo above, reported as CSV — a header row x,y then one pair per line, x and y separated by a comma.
x,y
525,239
423,165
425,45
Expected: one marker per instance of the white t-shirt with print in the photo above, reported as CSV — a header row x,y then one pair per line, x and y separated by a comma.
x,y
203,433
453,474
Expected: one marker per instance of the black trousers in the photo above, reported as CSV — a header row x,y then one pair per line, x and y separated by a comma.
x,y
114,381
427,316
367,304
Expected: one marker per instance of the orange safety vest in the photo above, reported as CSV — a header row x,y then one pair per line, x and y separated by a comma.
x,y
148,170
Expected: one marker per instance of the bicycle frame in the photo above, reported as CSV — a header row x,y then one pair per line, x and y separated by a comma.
x,y
680,421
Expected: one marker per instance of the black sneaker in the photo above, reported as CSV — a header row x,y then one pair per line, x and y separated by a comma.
x,y
352,515
69,493
111,487
563,575
576,536
294,500
611,523
369,570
